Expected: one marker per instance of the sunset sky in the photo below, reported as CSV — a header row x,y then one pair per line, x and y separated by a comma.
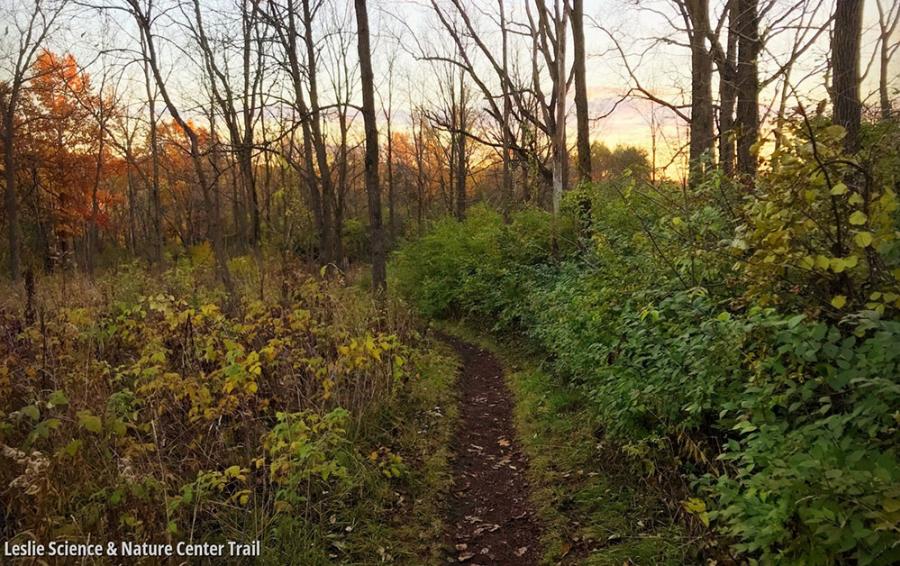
x,y
405,31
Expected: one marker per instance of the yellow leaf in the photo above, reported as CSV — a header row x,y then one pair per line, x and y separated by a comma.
x,y
839,189
839,301
838,265
858,218
754,149
855,198
694,505
863,239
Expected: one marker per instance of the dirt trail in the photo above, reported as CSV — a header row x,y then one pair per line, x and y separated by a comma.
x,y
490,520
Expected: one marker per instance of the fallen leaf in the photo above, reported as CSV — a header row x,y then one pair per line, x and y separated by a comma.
x,y
466,556
503,442
520,552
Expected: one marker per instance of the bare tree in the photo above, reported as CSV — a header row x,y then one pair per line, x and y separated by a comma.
x,y
237,103
461,119
581,101
298,44
144,17
888,43
387,108
506,134
727,66
534,99
373,190
31,25
153,126
696,16
451,113
549,39
418,135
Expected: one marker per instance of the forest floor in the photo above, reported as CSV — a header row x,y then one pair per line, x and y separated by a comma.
x,y
533,480
491,519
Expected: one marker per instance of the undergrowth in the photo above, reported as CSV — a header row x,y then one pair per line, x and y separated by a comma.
x,y
744,338
146,407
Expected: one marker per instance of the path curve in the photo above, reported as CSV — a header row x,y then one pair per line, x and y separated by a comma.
x,y
490,519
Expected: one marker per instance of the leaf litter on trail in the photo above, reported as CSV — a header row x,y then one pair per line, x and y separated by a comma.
x,y
520,552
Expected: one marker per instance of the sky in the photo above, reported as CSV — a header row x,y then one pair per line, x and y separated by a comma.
x,y
405,31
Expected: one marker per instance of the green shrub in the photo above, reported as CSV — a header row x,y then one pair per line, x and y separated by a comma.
x,y
785,421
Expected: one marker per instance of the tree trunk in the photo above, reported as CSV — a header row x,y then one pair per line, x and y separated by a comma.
x,y
845,69
701,141
461,164
321,151
144,20
747,86
322,220
10,198
887,25
248,180
94,231
419,141
883,94
392,212
157,254
581,100
560,153
132,202
728,93
373,191
507,193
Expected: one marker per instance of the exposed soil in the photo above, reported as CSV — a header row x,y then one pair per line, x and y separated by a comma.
x,y
490,520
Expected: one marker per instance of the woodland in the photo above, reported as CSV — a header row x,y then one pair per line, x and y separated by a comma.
x,y
452,281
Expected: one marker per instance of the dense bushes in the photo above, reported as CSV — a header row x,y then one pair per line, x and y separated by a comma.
x,y
694,323
140,417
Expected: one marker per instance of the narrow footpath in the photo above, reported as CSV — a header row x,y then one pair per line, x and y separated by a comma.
x,y
490,520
